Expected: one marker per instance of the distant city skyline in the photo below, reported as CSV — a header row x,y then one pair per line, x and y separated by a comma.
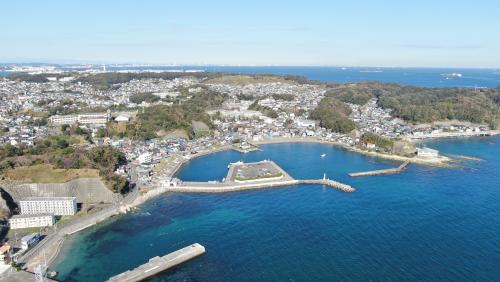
x,y
282,33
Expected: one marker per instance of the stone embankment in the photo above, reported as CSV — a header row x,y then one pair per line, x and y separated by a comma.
x,y
86,190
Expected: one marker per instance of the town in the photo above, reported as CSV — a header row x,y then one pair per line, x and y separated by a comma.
x,y
253,110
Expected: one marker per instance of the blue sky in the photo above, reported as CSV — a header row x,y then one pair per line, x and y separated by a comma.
x,y
354,33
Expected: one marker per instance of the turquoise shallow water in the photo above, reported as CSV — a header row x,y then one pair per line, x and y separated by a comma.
x,y
426,224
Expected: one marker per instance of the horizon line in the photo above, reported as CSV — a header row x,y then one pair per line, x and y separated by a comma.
x,y
243,65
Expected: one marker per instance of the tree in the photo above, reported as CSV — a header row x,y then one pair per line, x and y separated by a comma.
x,y
64,128
334,115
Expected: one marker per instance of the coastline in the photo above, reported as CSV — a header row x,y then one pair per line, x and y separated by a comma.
x,y
441,162
136,199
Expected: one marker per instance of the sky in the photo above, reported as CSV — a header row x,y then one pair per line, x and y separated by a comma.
x,y
404,33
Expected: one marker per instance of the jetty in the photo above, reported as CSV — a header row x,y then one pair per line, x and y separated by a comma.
x,y
380,171
259,175
332,183
159,264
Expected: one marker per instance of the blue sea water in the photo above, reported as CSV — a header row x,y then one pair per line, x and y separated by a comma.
x,y
425,224
428,77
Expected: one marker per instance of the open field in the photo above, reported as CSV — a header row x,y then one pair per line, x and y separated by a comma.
x,y
47,174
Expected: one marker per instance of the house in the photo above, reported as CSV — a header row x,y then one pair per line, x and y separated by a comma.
x,y
5,254
427,152
122,118
371,146
29,240
306,123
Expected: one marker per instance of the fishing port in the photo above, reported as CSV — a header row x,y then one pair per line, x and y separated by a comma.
x,y
257,175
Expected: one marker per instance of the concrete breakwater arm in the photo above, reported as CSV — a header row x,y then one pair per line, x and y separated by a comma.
x,y
159,264
380,171
221,187
205,187
332,183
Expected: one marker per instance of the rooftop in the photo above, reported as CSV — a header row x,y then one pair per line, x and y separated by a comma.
x,y
48,199
30,215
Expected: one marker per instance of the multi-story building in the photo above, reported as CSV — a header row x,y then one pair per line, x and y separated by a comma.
x,y
67,119
88,118
48,205
28,220
144,158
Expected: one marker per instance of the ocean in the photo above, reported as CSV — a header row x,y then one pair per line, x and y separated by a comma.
x,y
428,77
425,224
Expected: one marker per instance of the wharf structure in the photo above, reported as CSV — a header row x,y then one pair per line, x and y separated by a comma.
x,y
159,264
246,176
380,171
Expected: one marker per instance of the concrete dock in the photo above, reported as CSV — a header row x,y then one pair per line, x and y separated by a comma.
x,y
159,264
223,187
380,171
258,175
332,183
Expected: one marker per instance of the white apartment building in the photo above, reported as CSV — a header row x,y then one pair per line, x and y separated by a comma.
x,y
306,123
144,158
88,118
27,221
68,119
48,205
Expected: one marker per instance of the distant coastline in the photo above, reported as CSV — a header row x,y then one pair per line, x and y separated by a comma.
x,y
418,76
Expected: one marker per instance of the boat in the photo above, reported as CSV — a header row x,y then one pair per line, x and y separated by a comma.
x,y
452,75
323,155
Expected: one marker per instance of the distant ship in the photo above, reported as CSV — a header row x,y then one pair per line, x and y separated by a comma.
x,y
453,75
323,155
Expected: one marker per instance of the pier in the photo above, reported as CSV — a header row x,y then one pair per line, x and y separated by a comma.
x,y
332,183
159,264
245,176
222,187
380,171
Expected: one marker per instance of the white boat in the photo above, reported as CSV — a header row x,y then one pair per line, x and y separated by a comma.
x,y
323,155
452,75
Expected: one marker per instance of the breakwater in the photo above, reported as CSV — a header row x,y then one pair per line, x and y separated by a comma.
x,y
223,187
159,264
380,171
332,183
